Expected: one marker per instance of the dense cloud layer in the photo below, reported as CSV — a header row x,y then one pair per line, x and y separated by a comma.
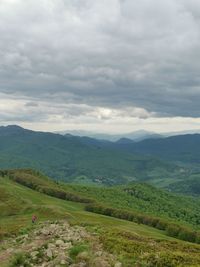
x,y
99,59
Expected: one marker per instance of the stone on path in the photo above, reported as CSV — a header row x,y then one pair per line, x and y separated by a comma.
x,y
49,253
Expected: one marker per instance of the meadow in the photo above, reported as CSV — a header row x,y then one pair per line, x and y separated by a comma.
x,y
133,243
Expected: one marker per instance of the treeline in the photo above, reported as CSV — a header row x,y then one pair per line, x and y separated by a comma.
x,y
173,230
49,188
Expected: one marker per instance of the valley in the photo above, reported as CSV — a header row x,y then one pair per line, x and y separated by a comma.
x,y
99,133
84,160
121,203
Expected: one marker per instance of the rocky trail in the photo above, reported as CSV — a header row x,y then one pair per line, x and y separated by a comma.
x,y
56,244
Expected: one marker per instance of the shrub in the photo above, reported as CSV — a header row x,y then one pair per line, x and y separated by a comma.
x,y
187,235
197,240
75,250
173,230
19,259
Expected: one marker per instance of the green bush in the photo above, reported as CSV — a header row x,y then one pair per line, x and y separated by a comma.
x,y
75,250
188,235
19,259
173,230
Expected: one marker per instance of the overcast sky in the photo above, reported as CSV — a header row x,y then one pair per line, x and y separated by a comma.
x,y
100,65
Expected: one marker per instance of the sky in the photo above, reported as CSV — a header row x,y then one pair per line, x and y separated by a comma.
x,y
100,65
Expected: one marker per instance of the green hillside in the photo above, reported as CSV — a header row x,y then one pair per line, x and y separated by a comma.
x,y
145,198
139,197
182,150
81,160
188,186
85,160
130,242
141,203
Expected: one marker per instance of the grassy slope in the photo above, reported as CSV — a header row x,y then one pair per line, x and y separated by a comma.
x,y
145,198
18,203
128,240
142,198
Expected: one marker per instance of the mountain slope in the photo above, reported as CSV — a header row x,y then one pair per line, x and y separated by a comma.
x,y
184,148
126,241
77,159
142,198
188,186
167,162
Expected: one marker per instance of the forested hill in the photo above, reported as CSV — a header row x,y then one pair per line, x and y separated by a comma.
x,y
171,162
78,159
185,148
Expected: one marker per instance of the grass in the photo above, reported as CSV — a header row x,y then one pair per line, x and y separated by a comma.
x,y
46,207
26,201
78,248
19,259
130,241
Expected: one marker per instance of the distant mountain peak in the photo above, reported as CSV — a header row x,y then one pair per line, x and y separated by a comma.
x,y
12,129
124,140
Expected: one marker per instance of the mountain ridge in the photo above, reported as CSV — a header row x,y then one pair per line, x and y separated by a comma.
x,y
162,162
77,158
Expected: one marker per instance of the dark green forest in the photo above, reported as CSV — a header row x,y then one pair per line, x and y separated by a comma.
x,y
85,160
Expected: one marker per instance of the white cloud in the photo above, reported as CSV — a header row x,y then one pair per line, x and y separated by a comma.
x,y
40,115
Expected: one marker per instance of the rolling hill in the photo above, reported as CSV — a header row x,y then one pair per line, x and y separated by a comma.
x,y
171,163
26,192
78,159
139,197
183,150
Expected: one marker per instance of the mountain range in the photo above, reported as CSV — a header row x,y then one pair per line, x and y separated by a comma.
x,y
136,136
171,162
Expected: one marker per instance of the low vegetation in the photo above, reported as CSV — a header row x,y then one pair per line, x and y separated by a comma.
x,y
144,198
131,242
137,202
171,229
140,251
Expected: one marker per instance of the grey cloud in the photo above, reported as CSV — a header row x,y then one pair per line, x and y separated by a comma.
x,y
114,54
31,104
20,116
